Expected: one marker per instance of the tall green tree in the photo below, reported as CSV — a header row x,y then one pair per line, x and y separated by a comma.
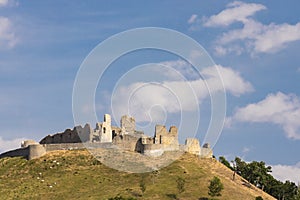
x,y
223,160
259,175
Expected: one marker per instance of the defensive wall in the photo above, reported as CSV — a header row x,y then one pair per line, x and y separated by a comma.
x,y
107,136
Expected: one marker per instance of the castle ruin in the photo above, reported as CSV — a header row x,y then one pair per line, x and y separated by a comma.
x,y
107,136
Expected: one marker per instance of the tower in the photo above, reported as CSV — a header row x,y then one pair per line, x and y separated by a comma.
x,y
105,131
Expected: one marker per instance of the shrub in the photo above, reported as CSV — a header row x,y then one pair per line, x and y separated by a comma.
x,y
180,184
215,187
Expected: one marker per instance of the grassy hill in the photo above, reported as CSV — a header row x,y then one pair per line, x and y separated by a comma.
x,y
77,175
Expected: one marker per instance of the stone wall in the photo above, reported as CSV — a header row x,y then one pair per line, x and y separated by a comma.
x,y
21,152
85,133
26,143
158,149
107,136
106,132
163,137
68,136
29,152
129,142
206,151
127,124
192,146
35,151
77,135
72,146
153,149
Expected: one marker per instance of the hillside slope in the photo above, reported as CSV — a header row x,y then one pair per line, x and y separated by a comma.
x,y
77,175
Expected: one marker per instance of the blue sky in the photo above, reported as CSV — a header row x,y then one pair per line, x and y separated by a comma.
x,y
254,43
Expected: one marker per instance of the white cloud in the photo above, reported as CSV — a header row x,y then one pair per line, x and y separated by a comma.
x,y
6,145
3,3
287,172
235,12
255,36
275,37
250,30
174,95
233,82
246,150
259,37
280,109
192,19
175,68
7,35
221,51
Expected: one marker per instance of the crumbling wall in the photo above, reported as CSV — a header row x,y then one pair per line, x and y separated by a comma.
x,y
129,142
26,143
163,137
106,136
147,140
105,131
160,132
127,124
115,131
171,138
206,151
192,146
85,134
68,136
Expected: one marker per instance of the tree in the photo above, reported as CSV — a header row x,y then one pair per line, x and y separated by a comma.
x,y
255,172
223,160
180,185
258,174
215,187
297,196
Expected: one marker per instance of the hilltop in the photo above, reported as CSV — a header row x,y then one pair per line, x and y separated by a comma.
x,y
76,174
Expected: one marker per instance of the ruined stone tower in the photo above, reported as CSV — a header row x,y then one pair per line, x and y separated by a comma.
x,y
163,137
104,128
127,124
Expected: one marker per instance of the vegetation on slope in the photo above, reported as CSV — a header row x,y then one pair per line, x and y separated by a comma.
x,y
259,175
77,175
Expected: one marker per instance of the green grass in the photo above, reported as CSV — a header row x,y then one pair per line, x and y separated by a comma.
x,y
77,175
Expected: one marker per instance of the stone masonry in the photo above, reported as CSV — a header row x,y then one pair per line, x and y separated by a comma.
x,y
105,135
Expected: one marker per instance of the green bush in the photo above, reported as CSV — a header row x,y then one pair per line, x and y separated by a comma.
x,y
215,187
